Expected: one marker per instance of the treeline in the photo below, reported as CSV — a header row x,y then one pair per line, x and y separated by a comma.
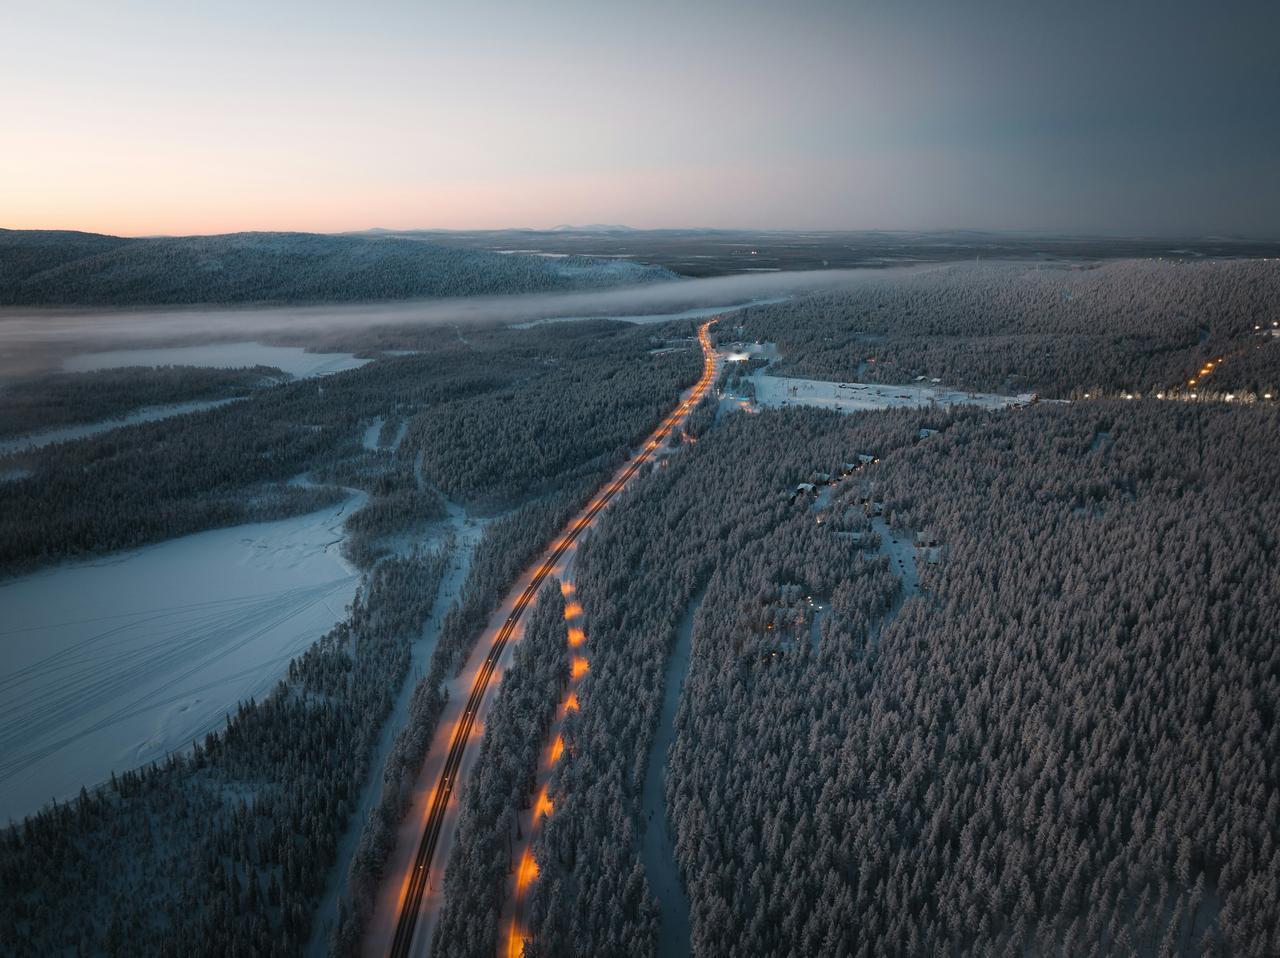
x,y
64,399
158,480
1066,745
223,850
1139,325
502,783
52,269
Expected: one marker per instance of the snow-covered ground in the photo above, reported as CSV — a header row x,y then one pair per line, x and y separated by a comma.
x,y
369,439
658,851
293,360
776,391
67,433
111,663
901,551
466,535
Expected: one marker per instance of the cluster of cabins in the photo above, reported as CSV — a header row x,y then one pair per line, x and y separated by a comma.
x,y
820,479
847,469
928,548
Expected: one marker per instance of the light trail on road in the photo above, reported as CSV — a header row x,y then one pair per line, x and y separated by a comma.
x,y
418,879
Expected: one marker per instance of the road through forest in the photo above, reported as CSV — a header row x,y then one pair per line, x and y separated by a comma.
x,y
412,892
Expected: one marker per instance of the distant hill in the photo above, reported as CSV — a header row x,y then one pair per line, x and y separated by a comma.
x,y
52,268
592,228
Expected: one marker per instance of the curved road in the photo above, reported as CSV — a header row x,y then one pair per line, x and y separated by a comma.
x,y
439,815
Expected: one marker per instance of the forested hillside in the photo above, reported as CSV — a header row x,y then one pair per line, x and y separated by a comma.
x,y
1065,745
1129,326
82,269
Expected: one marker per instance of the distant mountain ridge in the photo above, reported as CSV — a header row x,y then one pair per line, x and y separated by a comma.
x,y
56,268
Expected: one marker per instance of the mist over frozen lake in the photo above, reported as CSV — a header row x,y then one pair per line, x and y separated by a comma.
x,y
31,338
111,663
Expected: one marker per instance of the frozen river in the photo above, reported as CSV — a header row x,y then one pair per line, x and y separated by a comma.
x,y
112,663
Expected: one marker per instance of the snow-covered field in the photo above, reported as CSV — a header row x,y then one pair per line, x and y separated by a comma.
x,y
66,433
293,360
111,663
777,391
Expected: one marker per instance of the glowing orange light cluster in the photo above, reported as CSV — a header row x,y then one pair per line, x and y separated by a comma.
x,y
557,749
527,872
571,703
543,805
576,638
572,610
578,668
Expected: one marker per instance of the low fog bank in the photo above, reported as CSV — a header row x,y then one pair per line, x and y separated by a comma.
x,y
36,339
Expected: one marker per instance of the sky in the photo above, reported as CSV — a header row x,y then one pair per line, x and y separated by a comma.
x,y
142,118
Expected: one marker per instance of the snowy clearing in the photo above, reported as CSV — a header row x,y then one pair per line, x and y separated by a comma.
x,y
369,439
776,391
293,360
112,663
67,433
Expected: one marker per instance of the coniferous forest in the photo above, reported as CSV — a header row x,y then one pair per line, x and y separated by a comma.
x,y
960,681
1064,744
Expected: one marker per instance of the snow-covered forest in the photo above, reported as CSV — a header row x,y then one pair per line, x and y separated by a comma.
x,y
1127,326
503,415
50,268
261,806
1064,745
223,850
64,399
503,783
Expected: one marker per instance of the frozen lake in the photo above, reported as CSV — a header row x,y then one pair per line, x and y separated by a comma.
x,y
114,662
293,360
